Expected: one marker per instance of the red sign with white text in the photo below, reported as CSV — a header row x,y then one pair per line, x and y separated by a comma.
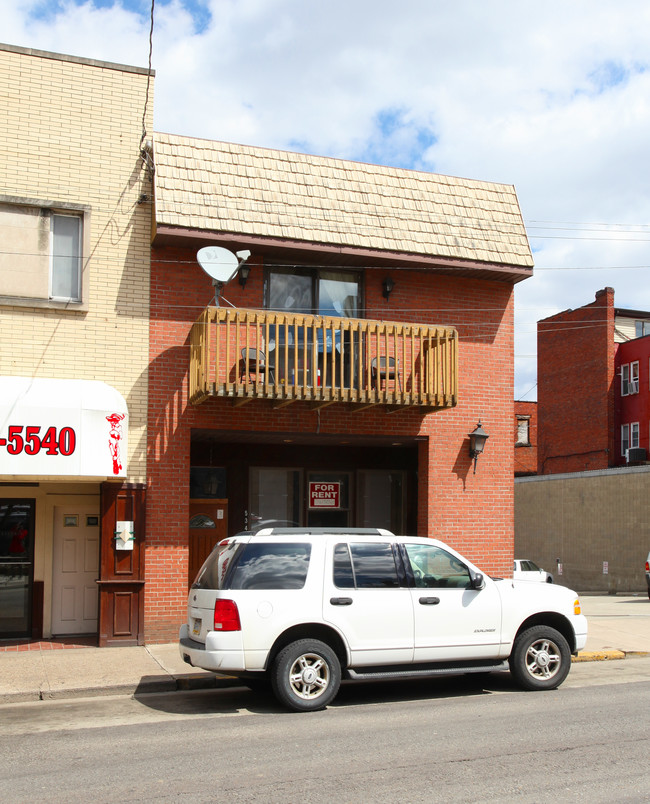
x,y
324,495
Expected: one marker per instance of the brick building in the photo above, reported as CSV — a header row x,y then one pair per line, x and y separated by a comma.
x,y
352,269
593,386
586,515
74,323
525,423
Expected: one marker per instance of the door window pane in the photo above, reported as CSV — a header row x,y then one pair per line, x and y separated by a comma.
x,y
338,294
435,568
374,566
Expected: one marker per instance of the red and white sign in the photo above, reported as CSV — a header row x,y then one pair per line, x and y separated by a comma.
x,y
72,428
324,495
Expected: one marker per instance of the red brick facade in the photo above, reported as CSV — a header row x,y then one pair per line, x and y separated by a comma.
x,y
575,356
473,512
633,403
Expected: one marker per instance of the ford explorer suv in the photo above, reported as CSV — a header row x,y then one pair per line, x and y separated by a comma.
x,y
298,609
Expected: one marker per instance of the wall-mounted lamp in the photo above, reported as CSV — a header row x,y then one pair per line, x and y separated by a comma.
x,y
244,273
387,286
477,439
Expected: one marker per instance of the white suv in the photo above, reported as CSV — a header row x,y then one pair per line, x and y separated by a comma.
x,y
299,608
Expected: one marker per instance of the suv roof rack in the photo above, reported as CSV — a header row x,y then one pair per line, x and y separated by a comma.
x,y
323,531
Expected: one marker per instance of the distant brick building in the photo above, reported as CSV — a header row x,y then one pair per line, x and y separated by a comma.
x,y
525,423
586,515
593,388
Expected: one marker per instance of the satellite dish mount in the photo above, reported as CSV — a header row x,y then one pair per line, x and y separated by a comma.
x,y
220,265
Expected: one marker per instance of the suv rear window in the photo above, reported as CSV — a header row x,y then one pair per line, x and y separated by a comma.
x,y
271,566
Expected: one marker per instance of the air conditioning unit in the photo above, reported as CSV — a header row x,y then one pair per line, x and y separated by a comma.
x,y
635,455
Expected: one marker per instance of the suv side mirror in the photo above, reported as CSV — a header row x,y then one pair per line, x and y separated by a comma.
x,y
477,579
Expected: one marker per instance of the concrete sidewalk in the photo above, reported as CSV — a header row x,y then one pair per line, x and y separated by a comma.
x,y
618,626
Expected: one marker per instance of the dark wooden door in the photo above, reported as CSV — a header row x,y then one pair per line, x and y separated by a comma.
x,y
208,525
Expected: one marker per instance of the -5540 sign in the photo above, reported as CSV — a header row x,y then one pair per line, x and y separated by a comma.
x,y
30,441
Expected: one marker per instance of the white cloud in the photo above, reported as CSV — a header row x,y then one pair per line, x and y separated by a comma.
x,y
552,97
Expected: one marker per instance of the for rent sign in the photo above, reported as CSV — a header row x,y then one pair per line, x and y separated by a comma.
x,y
324,495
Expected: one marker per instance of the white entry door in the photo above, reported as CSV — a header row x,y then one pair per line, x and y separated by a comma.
x,y
75,570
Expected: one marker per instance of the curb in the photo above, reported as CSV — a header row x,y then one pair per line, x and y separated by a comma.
x,y
203,681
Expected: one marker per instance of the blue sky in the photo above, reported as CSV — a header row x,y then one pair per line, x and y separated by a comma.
x,y
553,98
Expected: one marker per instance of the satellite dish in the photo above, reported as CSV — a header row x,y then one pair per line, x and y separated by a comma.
x,y
218,263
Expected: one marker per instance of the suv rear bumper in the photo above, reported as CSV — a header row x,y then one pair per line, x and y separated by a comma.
x,y
221,653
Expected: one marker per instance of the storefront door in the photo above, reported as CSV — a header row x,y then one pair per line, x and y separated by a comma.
x,y
75,571
208,526
16,566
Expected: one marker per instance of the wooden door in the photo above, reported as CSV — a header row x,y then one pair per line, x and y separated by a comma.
x,y
208,525
75,570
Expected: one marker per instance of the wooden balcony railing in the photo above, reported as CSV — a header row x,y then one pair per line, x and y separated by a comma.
x,y
259,354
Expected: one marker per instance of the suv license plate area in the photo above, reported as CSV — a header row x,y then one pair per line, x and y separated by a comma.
x,y
196,630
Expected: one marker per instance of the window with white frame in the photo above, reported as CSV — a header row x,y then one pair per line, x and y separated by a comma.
x,y
625,439
41,253
625,379
634,377
634,435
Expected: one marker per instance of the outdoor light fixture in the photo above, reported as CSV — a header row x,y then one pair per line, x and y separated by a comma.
x,y
477,439
387,286
244,273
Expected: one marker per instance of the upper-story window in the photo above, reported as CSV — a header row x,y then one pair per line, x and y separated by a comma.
x,y
630,378
322,292
641,328
41,253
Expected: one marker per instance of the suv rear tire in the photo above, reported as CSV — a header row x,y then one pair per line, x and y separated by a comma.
x,y
540,658
306,675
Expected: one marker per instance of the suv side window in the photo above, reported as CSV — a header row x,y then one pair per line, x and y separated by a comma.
x,y
271,566
365,566
435,568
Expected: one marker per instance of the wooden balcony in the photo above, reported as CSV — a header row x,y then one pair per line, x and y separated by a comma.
x,y
258,354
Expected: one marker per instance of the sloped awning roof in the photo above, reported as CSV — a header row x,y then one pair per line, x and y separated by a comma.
x,y
62,428
203,185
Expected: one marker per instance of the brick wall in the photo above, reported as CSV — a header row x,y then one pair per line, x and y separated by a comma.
x,y
70,134
473,512
576,403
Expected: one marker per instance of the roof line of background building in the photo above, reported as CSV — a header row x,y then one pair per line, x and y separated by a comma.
x,y
46,54
614,470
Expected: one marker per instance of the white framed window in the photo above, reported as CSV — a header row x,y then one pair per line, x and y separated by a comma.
x,y
625,379
625,439
65,257
634,435
634,377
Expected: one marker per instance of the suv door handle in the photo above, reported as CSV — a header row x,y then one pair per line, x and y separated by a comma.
x,y
341,601
429,601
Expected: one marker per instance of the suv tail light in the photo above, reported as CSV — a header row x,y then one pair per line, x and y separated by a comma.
x,y
647,566
226,616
